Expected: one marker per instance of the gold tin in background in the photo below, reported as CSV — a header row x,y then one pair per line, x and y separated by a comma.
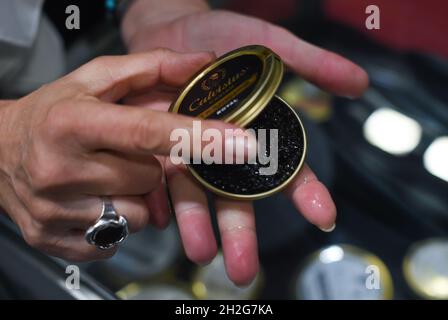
x,y
146,255
339,272
155,291
425,268
239,88
210,282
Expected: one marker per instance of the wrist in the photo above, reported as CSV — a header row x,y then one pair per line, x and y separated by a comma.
x,y
5,107
7,127
143,14
4,147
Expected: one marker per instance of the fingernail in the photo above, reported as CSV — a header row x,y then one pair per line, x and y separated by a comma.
x,y
328,229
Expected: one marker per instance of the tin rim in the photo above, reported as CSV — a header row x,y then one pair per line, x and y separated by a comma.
x,y
263,194
263,92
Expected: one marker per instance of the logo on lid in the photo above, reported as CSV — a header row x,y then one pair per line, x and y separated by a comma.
x,y
213,80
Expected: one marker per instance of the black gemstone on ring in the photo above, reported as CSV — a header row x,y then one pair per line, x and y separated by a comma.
x,y
109,235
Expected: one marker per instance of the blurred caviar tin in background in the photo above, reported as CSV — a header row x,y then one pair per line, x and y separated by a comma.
x,y
425,268
343,272
154,291
147,254
306,97
211,283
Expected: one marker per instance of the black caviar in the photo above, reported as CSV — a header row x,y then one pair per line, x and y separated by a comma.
x,y
245,179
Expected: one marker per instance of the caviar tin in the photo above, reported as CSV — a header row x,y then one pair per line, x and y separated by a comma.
x,y
240,88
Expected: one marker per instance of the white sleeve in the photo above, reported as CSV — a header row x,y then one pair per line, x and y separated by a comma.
x,y
31,50
19,21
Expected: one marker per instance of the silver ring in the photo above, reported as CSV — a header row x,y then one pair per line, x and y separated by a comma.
x,y
110,229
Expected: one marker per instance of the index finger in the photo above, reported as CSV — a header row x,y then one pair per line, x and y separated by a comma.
x,y
110,78
96,125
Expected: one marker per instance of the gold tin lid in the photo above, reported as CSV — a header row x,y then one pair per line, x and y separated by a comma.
x,y
235,88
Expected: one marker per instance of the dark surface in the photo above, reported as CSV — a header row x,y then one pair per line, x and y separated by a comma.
x,y
245,178
92,15
26,273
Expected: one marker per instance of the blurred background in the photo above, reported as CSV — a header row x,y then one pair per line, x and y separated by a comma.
x,y
384,157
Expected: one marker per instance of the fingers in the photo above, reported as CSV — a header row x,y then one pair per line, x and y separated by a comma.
x,y
107,173
83,212
66,244
156,100
71,246
236,222
324,68
193,218
312,199
157,203
59,227
134,209
111,78
92,173
130,130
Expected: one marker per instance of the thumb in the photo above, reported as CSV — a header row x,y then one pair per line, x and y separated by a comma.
x,y
110,78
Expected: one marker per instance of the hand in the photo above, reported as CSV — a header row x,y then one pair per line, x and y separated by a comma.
x,y
222,31
67,144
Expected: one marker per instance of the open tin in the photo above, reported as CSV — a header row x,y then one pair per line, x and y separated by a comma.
x,y
240,88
